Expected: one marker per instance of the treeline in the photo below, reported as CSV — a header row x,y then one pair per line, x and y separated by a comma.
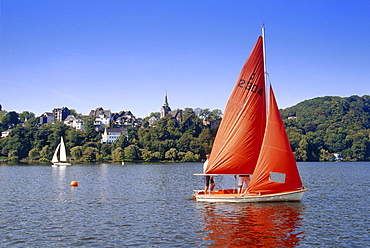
x,y
317,129
323,126
166,140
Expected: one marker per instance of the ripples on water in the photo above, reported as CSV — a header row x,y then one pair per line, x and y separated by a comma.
x,y
148,205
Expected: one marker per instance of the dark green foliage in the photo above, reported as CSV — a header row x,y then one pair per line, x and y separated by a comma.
x,y
165,140
329,125
170,140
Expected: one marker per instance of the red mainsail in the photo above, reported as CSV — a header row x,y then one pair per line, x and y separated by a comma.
x,y
276,170
239,137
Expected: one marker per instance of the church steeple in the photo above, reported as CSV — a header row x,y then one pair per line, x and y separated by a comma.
x,y
166,107
165,100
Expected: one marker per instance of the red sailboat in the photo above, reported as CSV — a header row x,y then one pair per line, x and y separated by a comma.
x,y
249,143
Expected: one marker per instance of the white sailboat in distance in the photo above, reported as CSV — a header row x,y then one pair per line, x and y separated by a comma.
x,y
61,150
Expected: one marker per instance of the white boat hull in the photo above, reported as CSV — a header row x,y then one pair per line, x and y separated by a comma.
x,y
60,164
225,196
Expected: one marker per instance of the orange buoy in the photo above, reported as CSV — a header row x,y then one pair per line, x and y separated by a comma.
x,y
74,183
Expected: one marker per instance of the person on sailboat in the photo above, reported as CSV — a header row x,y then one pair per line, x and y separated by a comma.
x,y
243,180
208,180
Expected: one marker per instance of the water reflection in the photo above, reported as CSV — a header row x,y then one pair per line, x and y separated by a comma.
x,y
59,174
252,225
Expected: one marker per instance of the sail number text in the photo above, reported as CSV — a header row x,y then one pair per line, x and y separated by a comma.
x,y
250,85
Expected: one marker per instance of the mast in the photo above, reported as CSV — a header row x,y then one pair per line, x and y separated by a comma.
x,y
264,52
264,64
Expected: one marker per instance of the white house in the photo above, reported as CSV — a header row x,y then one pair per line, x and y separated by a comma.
x,y
5,134
74,122
152,120
47,117
111,134
102,118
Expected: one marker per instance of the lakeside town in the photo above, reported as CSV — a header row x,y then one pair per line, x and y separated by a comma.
x,y
111,124
105,136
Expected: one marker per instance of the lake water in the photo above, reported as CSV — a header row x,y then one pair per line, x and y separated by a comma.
x,y
149,205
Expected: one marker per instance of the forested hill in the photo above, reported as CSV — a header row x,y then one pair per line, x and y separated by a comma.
x,y
322,126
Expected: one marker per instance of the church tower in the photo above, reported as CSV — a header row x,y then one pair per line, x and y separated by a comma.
x,y
165,108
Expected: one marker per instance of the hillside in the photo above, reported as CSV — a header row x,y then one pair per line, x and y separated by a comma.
x,y
322,126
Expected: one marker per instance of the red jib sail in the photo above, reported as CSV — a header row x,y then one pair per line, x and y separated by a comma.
x,y
239,137
276,170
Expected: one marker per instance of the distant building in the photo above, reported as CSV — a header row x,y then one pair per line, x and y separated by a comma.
x,y
166,110
46,118
212,124
102,118
112,134
5,134
105,118
125,119
176,114
337,157
60,114
75,122
152,120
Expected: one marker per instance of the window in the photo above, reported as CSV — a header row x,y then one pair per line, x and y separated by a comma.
x,y
277,177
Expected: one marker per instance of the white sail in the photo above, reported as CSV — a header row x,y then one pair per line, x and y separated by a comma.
x,y
63,154
55,157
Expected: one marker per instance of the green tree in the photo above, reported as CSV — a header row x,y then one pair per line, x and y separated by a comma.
x,y
301,151
215,114
118,154
18,143
76,153
13,155
146,155
190,157
122,142
74,138
171,154
132,152
324,155
90,153
26,115
205,139
205,114
74,112
41,136
3,121
34,154
105,151
12,119
91,135
46,152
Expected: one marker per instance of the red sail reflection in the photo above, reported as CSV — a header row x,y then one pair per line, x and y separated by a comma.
x,y
253,225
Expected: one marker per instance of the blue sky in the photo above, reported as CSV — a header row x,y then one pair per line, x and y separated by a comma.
x,y
124,55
